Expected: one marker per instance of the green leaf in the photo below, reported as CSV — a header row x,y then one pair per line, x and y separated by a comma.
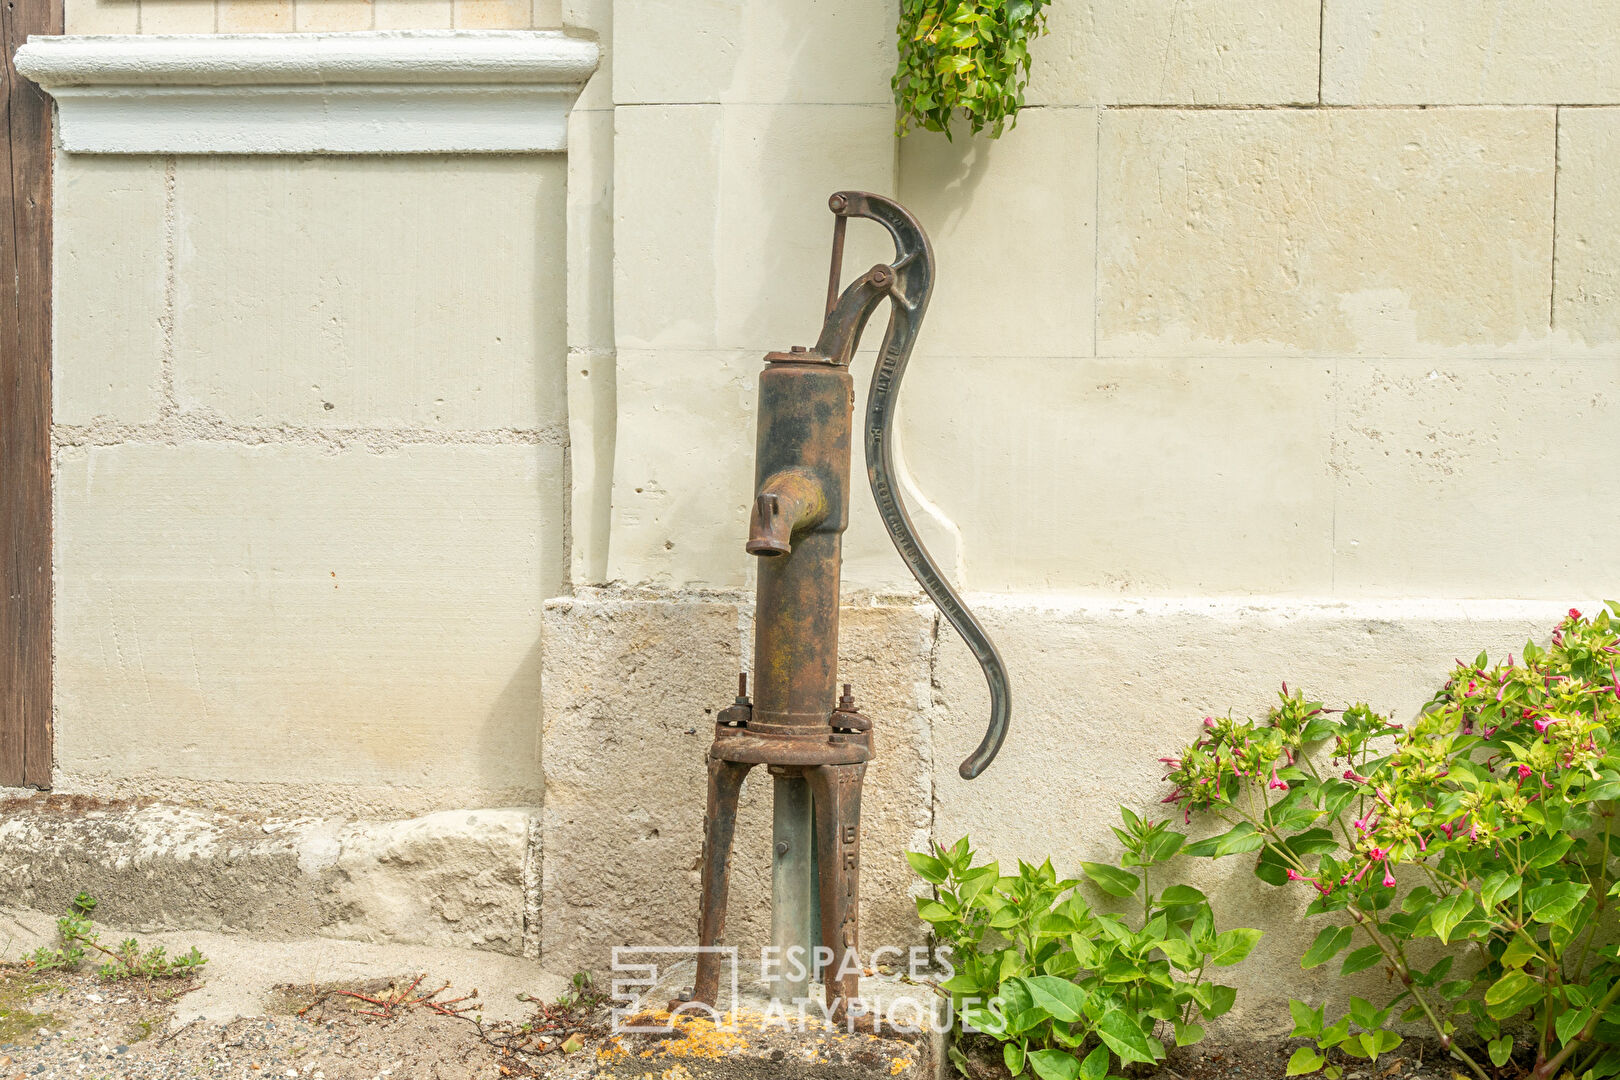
x,y
1188,1034
933,911
1058,997
1181,894
1500,1050
1512,994
1124,1037
928,868
1497,888
1363,958
1519,952
1240,839
1330,942
1054,1065
1550,903
1095,1066
1012,1055
1448,913
1111,879
1307,1021
1570,1022
1232,946
1305,1060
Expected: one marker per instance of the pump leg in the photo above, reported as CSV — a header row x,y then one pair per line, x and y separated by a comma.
x,y
719,824
837,792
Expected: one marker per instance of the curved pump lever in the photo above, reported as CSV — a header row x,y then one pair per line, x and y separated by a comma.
x,y
906,283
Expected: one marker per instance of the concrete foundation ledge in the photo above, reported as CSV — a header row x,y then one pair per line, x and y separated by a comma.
x,y
457,878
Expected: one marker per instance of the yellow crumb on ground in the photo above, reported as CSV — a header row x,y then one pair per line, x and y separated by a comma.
x,y
613,1050
900,1065
697,1037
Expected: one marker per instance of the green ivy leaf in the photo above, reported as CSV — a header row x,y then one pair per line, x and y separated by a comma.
x,y
1058,997
1187,1034
1012,1055
1497,888
1552,902
1500,1050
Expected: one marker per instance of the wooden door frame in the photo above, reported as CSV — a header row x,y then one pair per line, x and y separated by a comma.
x,y
25,405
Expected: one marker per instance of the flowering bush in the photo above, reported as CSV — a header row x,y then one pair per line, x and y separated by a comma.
x,y
1487,827
1063,986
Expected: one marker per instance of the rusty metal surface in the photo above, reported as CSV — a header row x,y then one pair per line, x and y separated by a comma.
x,y
800,511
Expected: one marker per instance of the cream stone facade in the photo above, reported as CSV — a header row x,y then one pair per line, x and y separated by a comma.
x,y
404,495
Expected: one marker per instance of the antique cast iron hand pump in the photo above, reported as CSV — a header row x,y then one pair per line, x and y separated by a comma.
x,y
815,744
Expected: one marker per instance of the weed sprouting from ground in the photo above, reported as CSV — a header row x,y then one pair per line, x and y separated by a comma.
x,y
79,941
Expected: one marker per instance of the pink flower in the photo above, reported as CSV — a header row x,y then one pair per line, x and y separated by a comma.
x,y
1350,774
1423,845
1389,879
1279,784
1574,613
1295,875
1377,854
1524,772
1542,724
1209,721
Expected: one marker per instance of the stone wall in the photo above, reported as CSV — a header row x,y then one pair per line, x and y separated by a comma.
x,y
1277,341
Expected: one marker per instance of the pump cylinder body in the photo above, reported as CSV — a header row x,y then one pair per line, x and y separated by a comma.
x,y
804,430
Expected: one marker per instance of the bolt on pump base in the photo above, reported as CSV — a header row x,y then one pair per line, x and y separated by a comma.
x,y
814,743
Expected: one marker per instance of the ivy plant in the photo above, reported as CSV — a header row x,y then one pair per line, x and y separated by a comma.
x,y
964,57
1070,991
1484,832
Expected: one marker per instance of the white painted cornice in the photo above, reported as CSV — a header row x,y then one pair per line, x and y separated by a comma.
x,y
379,92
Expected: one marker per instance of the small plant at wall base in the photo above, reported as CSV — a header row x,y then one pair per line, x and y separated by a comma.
x,y
78,941
1068,991
964,57
1485,832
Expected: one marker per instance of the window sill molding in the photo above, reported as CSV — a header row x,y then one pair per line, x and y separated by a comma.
x,y
372,92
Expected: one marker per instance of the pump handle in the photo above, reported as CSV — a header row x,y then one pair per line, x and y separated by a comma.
x,y
907,283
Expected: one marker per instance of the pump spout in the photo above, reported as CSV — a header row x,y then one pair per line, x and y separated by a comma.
x,y
789,502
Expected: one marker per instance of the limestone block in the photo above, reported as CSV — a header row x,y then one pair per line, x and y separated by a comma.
x,y
412,14
493,14
101,17
1490,478
177,16
730,248
1586,277
316,15
1014,233
1466,53
732,51
1391,232
631,691
111,268
1102,690
254,16
373,291
284,614
454,878
1164,52
451,878
683,472
1170,477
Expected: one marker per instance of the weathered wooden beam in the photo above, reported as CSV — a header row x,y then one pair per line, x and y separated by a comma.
x,y
25,405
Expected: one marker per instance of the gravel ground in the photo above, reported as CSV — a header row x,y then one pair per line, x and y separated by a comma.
x,y
56,1026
